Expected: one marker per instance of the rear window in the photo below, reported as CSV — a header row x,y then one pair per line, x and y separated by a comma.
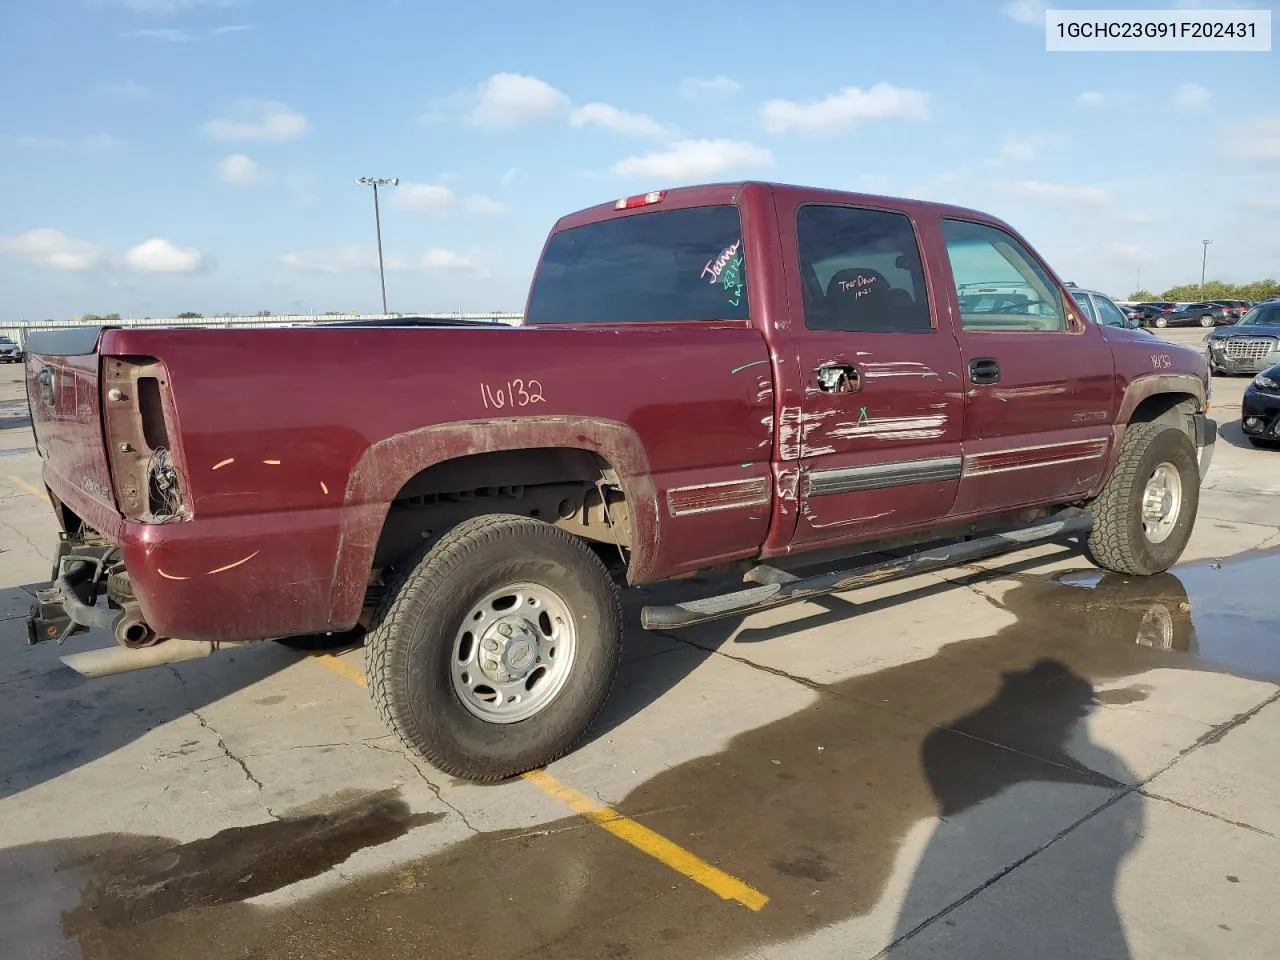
x,y
668,265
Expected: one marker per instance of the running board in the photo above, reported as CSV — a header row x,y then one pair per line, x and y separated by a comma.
x,y
782,588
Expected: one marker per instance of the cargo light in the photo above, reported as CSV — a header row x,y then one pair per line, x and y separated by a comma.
x,y
640,200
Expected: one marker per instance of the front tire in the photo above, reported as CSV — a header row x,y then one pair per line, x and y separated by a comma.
x,y
1143,518
497,648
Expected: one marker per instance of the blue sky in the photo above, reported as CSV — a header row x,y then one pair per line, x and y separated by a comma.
x,y
167,155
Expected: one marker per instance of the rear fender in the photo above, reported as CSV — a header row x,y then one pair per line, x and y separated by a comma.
x,y
384,469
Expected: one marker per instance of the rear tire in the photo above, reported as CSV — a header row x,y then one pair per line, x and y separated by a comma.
x,y
1143,518
1206,321
495,596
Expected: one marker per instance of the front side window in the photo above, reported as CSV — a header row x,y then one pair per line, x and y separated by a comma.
x,y
861,271
1268,316
999,285
1110,314
660,266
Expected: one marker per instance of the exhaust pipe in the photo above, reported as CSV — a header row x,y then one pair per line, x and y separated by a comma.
x,y
112,660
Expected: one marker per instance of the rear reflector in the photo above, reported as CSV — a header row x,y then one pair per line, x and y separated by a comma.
x,y
640,200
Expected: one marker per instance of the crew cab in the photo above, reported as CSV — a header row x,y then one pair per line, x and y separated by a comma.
x,y
727,377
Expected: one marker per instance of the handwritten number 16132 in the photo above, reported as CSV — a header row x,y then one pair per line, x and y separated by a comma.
x,y
517,393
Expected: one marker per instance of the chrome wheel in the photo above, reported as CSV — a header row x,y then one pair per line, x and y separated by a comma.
x,y
513,652
1161,503
1206,321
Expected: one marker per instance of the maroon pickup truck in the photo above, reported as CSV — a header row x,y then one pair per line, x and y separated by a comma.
x,y
713,378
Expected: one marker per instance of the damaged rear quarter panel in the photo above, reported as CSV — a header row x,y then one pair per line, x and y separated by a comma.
x,y
295,441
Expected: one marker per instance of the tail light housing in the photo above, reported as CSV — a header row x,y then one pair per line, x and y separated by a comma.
x,y
138,421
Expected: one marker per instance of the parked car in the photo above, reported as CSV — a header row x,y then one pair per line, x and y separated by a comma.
x,y
1260,409
10,351
1238,308
1250,345
1144,313
722,376
1100,308
1206,314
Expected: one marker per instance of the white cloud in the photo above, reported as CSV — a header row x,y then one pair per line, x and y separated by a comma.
x,y
167,35
441,259
1128,252
1067,193
239,170
260,120
33,142
619,121
1135,217
1030,12
686,159
509,177
125,90
1190,96
169,7
435,199
1259,140
158,255
232,28
843,110
341,260
694,88
51,248
510,99
100,143
1090,98
1020,149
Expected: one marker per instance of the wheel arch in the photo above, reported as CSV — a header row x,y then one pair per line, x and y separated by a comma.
x,y
417,461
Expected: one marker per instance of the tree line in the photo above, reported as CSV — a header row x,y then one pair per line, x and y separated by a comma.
x,y
1214,290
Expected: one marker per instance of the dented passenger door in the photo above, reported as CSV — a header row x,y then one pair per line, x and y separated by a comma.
x,y
878,431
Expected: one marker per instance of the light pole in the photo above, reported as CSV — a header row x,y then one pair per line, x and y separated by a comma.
x,y
375,182
1204,259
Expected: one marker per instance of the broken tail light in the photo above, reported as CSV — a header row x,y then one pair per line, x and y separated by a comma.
x,y
138,420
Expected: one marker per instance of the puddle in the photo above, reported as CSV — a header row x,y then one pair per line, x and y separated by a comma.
x,y
812,809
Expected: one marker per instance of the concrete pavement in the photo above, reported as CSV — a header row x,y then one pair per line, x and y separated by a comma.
x,y
1019,758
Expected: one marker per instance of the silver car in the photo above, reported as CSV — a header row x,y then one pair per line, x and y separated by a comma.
x,y
10,352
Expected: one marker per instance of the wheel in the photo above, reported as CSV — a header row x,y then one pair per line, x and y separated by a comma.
x,y
1161,322
1206,321
1264,444
497,647
1142,520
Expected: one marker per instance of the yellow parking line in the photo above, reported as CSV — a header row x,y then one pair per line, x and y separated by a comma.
x,y
342,668
654,844
624,828
29,487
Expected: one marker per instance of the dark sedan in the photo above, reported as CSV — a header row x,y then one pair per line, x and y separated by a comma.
x,y
1205,314
1260,409
1250,345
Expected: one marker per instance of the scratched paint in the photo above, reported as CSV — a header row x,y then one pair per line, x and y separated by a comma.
x,y
892,428
788,484
232,566
846,521
899,368
790,435
745,366
1040,390
223,463
708,497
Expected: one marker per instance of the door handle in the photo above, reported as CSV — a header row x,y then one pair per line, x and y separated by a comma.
x,y
984,370
839,378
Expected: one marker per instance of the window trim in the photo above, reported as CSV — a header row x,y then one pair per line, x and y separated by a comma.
x,y
925,275
1073,325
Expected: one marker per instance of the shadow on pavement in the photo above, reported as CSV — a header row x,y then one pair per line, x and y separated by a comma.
x,y
885,801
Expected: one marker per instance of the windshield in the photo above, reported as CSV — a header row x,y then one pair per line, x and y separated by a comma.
x,y
1267,315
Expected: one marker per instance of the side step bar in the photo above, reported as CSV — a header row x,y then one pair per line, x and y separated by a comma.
x,y
781,588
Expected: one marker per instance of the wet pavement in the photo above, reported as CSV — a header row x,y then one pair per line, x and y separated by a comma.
x,y
1022,758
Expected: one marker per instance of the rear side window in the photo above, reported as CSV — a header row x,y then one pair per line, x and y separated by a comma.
x,y
669,265
861,271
